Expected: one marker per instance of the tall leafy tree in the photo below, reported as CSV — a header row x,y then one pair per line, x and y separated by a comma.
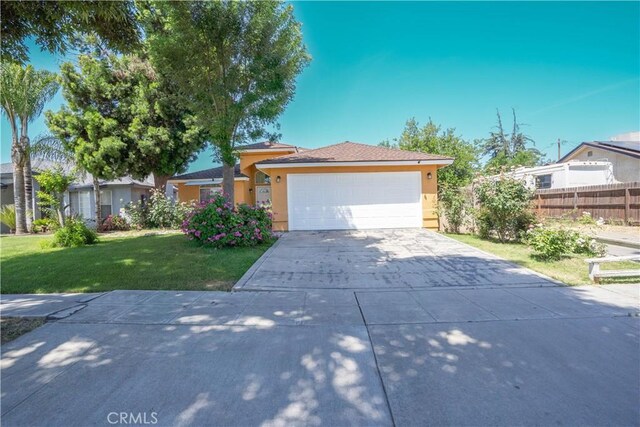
x,y
237,63
90,125
58,25
23,95
505,150
165,134
431,138
124,118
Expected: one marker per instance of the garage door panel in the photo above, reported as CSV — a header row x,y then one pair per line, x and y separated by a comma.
x,y
354,200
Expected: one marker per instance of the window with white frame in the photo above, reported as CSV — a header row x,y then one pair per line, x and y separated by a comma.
x,y
105,203
207,192
84,204
543,181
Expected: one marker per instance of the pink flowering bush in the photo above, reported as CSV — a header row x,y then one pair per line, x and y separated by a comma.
x,y
217,223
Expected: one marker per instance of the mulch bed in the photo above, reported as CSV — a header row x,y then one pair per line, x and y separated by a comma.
x,y
12,327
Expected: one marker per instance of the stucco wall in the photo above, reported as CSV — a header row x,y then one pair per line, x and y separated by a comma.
x,y
247,161
190,193
625,168
429,190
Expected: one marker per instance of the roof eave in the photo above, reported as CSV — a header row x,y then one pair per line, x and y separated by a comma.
x,y
268,150
183,181
442,162
620,150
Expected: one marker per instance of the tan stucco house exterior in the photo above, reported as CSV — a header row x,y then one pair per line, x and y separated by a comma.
x,y
623,156
342,186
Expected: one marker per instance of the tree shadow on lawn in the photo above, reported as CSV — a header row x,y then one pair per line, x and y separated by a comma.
x,y
146,262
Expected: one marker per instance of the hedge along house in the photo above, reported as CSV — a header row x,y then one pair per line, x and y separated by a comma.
x,y
339,187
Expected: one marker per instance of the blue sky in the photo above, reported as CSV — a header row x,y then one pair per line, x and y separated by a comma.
x,y
571,70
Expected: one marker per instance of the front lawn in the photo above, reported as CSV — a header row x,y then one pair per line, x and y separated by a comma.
x,y
570,270
121,261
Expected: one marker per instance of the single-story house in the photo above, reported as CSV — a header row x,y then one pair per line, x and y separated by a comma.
x,y
114,195
342,186
623,155
80,199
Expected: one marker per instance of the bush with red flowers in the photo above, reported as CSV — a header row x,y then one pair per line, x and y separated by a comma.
x,y
217,223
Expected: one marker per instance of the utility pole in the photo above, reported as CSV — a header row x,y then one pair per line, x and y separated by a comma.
x,y
558,149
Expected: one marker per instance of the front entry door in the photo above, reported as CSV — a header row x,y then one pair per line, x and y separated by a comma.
x,y
263,194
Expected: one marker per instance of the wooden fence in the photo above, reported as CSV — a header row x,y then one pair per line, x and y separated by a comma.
x,y
610,202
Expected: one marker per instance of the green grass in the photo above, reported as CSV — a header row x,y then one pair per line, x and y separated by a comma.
x,y
570,270
121,261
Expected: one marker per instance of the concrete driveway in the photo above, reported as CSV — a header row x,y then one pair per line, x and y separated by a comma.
x,y
357,349
381,259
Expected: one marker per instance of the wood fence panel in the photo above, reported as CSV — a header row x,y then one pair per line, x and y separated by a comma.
x,y
611,202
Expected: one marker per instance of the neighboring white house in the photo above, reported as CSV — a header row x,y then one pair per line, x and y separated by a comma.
x,y
622,151
564,175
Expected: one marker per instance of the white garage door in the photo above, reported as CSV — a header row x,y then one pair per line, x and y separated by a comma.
x,y
342,201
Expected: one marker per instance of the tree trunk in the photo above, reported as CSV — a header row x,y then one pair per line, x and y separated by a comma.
x,y
26,174
96,195
28,190
60,209
18,198
160,182
228,176
17,158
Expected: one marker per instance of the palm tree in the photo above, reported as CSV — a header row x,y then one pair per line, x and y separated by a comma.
x,y
24,92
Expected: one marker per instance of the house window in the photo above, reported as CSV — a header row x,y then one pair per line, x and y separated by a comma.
x,y
262,178
207,192
589,153
105,203
543,181
84,204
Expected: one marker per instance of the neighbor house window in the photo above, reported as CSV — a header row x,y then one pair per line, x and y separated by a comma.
x,y
207,192
105,203
543,181
262,178
84,204
589,153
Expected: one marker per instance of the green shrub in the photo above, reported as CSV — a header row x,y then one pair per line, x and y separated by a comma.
x,y
53,184
157,212
551,244
586,219
218,224
8,217
45,225
588,245
74,233
505,208
115,223
454,206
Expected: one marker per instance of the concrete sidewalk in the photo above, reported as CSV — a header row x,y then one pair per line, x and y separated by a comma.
x,y
543,355
43,305
629,238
